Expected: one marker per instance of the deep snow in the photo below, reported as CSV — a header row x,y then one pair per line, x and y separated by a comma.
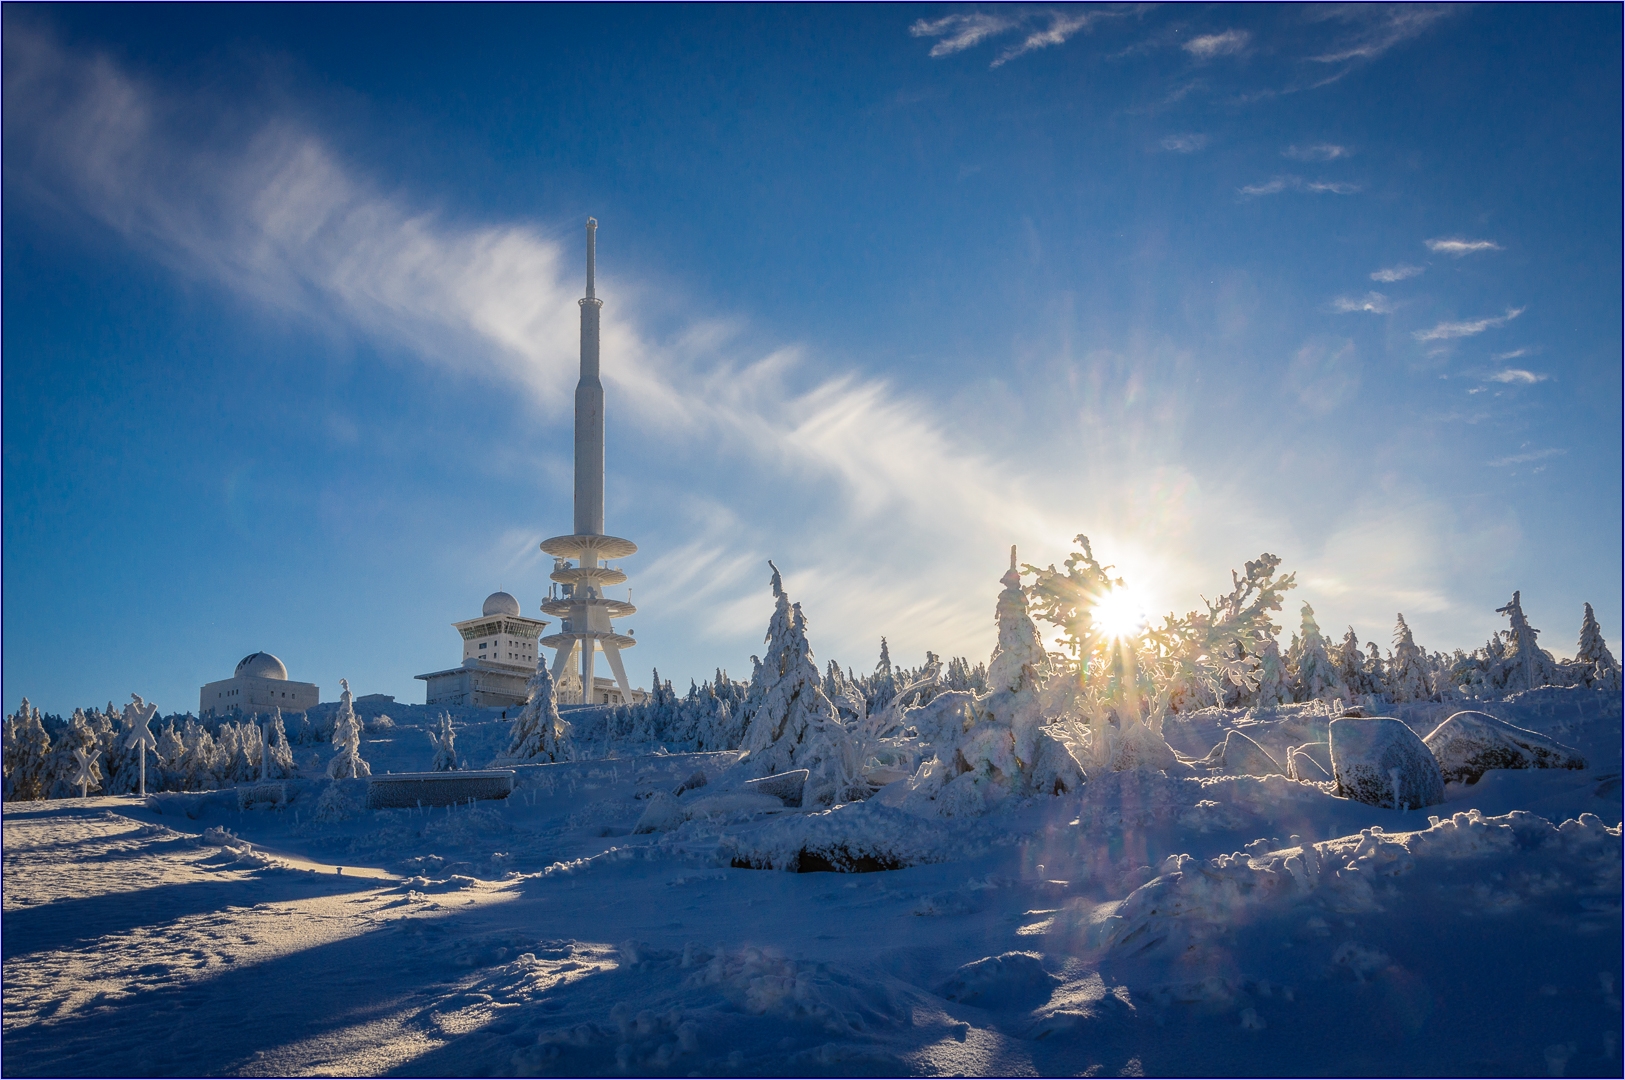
x,y
1205,924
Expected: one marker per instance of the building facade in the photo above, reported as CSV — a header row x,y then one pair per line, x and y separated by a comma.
x,y
500,652
259,685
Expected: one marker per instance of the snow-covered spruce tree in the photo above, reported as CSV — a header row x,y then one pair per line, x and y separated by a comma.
x,y
539,733
883,685
278,754
1351,665
1129,680
779,735
1525,665
1376,671
27,755
445,746
1598,668
347,763
1274,685
171,755
988,747
1318,677
1408,671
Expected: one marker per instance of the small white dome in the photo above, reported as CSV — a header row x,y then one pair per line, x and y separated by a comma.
x,y
262,665
500,603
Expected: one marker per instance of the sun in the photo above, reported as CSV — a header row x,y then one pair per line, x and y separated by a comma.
x,y
1119,614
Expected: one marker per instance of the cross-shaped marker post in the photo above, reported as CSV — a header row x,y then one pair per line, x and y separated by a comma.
x,y
82,774
138,736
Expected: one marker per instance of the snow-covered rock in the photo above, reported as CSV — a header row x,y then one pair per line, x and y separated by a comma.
x,y
1242,756
1380,761
787,787
1470,743
1311,761
1009,980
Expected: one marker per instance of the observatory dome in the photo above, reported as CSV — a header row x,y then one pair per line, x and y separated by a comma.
x,y
500,603
261,665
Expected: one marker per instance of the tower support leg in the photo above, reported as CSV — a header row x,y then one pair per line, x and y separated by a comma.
x,y
561,661
587,657
612,653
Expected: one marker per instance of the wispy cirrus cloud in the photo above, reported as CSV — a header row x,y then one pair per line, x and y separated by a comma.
x,y
1456,247
1512,355
1372,303
1316,152
1447,330
1391,274
1517,375
1528,456
1208,46
960,32
1184,144
1277,184
1040,29
1373,29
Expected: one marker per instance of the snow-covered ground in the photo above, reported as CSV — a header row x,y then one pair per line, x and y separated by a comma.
x,y
1155,924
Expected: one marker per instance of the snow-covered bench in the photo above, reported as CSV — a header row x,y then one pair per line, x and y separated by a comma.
x,y
438,788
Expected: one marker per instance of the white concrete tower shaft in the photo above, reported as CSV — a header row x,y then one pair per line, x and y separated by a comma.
x,y
589,489
586,611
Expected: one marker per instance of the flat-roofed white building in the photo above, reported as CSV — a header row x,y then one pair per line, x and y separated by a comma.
x,y
500,653
259,685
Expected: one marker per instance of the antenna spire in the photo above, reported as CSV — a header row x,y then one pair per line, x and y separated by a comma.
x,y
592,253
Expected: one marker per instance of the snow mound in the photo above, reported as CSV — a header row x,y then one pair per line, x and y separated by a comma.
x,y
1469,744
1381,762
1242,756
1007,981
1195,901
665,812
849,838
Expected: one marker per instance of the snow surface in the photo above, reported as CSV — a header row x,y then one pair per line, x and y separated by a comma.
x,y
1187,922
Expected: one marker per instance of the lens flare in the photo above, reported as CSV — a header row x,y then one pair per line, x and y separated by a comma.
x,y
1119,614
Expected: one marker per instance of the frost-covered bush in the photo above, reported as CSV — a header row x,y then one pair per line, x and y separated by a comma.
x,y
27,751
1123,687
445,745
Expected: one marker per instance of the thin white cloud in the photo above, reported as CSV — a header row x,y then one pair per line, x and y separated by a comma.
x,y
1317,152
1528,456
1043,29
1457,247
1061,27
1184,144
1517,375
1446,330
1373,303
1277,184
1513,355
1375,28
1210,45
961,32
1396,273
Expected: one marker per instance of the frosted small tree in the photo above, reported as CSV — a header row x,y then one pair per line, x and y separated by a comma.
x,y
278,753
1319,679
1131,678
27,755
1274,687
445,746
171,755
883,687
1408,673
1376,671
1351,664
1599,668
347,763
1526,665
539,733
793,705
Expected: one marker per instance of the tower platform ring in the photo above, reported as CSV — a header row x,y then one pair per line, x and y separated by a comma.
x,y
604,547
603,575
564,641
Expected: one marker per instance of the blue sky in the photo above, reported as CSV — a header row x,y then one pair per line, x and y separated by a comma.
x,y
289,334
